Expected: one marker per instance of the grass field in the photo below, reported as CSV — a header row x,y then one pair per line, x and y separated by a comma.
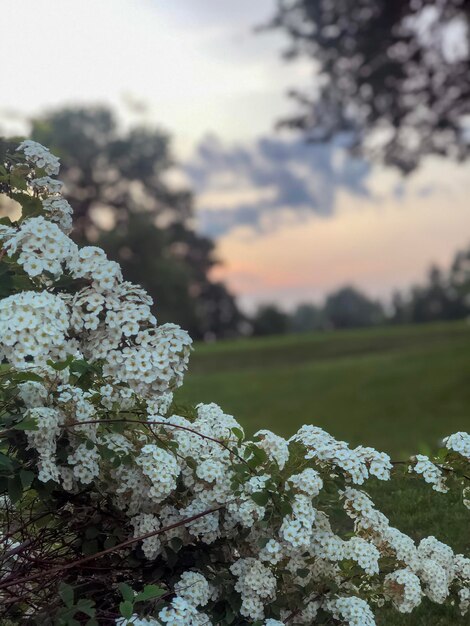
x,y
398,389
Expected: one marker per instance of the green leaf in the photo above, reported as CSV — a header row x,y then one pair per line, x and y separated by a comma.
x,y
18,182
176,544
80,366
303,572
260,497
84,605
126,608
260,454
61,365
29,423
26,477
15,489
126,592
22,282
26,376
238,433
149,592
66,594
5,462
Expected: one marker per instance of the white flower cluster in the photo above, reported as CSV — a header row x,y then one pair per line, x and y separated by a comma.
x,y
308,481
33,329
85,462
92,264
277,448
256,584
155,363
42,247
297,528
144,523
429,568
59,211
358,464
109,318
44,440
404,589
194,588
161,469
40,156
193,591
364,553
117,314
77,404
459,442
180,612
430,472
46,185
351,611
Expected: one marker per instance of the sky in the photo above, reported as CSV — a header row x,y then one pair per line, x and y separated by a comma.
x,y
292,222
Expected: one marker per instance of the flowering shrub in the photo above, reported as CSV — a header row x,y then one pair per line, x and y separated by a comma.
x,y
120,507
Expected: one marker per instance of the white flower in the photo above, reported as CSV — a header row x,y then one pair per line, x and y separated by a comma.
x,y
144,523
161,469
430,472
308,481
40,156
194,588
351,611
59,211
404,589
43,440
33,325
47,185
41,246
277,448
459,442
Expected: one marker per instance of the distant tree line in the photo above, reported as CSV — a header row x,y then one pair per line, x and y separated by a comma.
x,y
444,295
345,308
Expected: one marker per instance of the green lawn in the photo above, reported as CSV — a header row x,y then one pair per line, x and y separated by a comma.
x,y
398,389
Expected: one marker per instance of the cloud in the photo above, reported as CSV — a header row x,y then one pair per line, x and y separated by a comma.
x,y
263,184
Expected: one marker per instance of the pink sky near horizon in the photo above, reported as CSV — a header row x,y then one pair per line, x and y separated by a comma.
x,y
377,248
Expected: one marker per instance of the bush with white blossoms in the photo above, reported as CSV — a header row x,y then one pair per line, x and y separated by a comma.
x,y
118,506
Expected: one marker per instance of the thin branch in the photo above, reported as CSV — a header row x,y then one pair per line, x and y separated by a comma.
x,y
128,542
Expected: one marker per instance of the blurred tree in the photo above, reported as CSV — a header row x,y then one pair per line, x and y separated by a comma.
x,y
459,282
401,310
349,308
270,320
432,301
444,296
394,75
117,184
307,317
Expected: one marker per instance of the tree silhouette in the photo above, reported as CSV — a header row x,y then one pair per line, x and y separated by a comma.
x,y
116,181
394,75
349,308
